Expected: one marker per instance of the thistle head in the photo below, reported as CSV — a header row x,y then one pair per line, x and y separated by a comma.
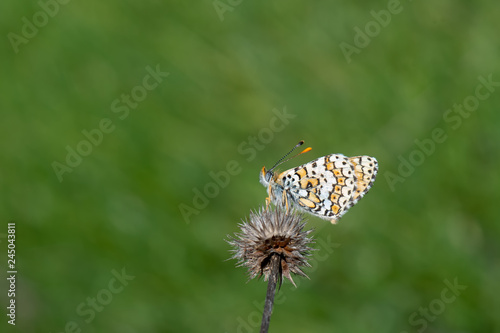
x,y
272,233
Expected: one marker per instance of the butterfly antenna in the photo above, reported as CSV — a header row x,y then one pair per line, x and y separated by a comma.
x,y
296,146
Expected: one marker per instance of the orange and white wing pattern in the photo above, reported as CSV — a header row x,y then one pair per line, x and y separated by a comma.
x,y
326,187
365,170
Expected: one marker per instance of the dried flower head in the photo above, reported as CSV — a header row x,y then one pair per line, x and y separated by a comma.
x,y
272,234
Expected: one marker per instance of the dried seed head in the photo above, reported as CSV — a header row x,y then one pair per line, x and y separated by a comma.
x,y
269,233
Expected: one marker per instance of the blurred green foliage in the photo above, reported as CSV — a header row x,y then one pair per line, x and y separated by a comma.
x,y
118,208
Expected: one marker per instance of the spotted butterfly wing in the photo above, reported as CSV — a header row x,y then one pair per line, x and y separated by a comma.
x,y
326,187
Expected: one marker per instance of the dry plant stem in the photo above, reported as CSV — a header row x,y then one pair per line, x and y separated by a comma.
x,y
271,291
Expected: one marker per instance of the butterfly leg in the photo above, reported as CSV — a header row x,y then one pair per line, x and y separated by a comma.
x,y
284,200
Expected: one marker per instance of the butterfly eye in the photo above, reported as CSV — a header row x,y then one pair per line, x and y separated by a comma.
x,y
269,175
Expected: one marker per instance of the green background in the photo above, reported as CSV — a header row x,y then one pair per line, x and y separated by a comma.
x,y
119,207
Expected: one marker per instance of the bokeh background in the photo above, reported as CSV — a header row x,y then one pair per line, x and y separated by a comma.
x,y
234,72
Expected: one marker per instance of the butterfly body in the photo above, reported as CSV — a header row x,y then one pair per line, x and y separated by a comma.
x,y
325,187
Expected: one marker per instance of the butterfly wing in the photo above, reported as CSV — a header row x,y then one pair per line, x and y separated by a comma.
x,y
328,186
365,170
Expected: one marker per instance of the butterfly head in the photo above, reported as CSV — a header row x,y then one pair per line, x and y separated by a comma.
x,y
265,176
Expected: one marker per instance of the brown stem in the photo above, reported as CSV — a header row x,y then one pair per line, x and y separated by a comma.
x,y
271,291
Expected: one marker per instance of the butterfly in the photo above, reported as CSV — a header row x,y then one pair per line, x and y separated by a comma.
x,y
325,187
